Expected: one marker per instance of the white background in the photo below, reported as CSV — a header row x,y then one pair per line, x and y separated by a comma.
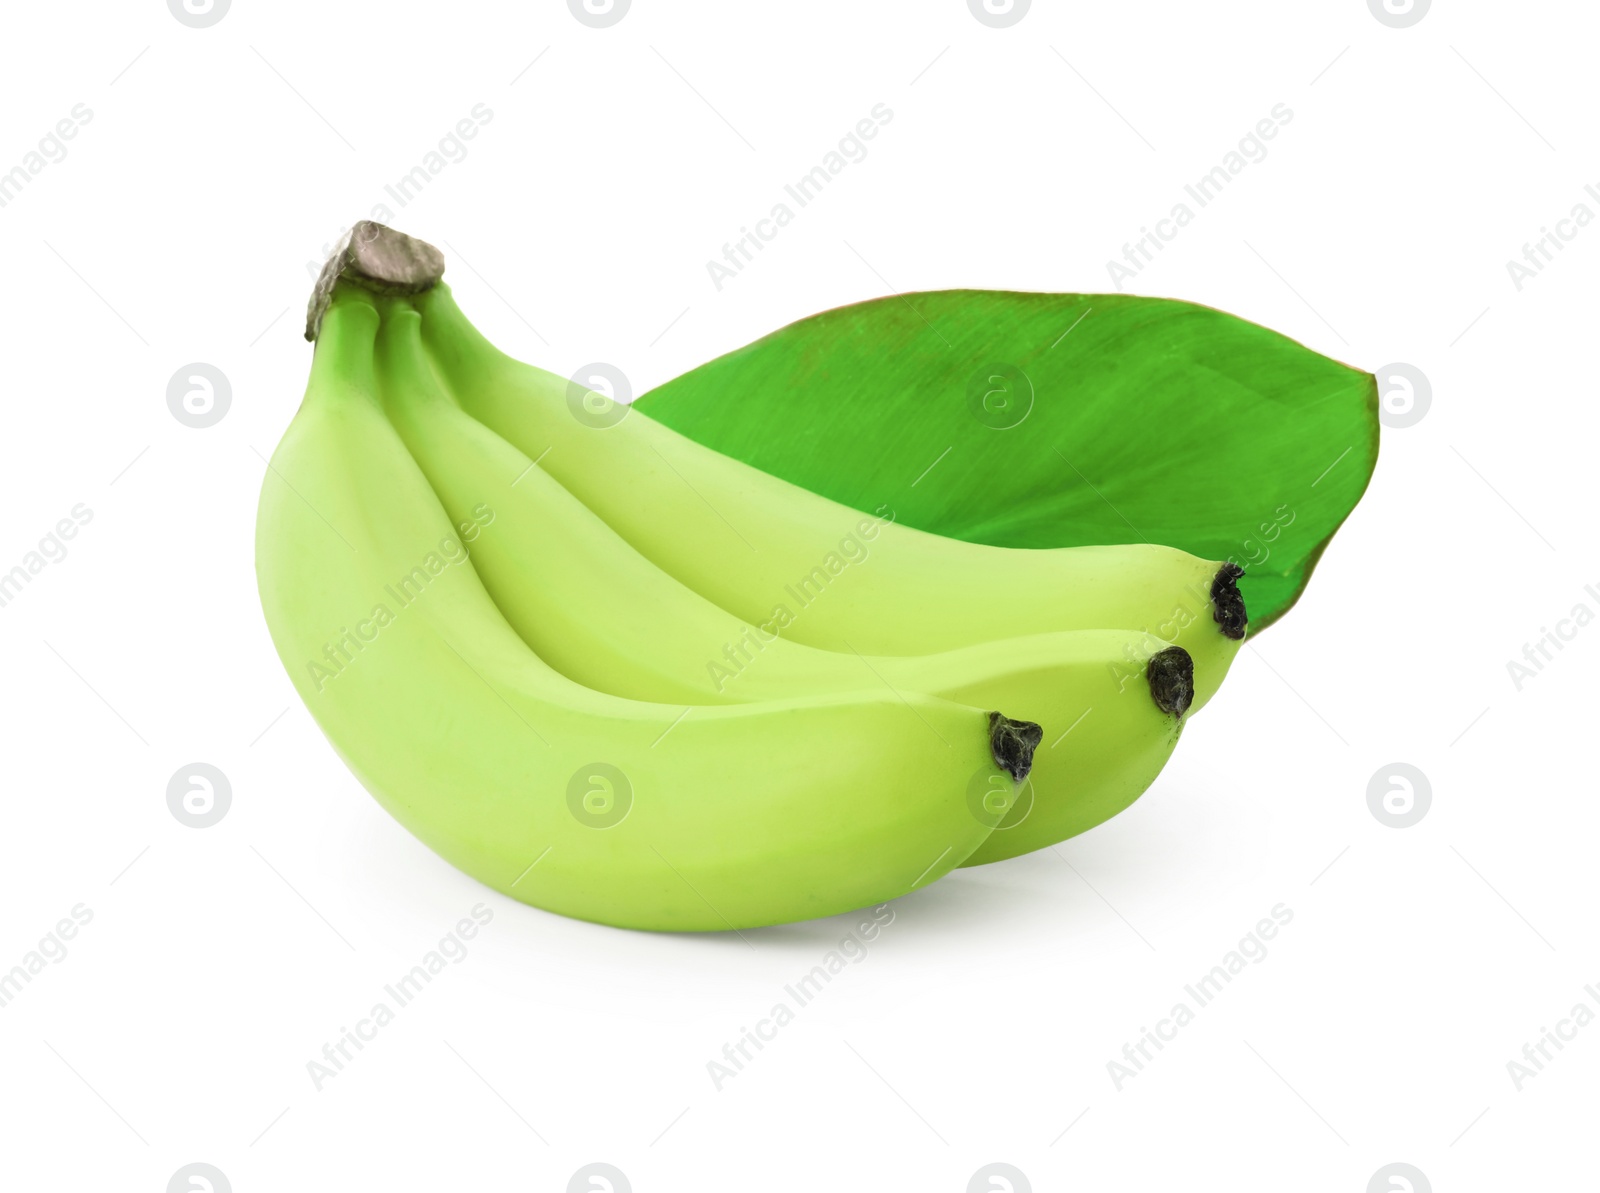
x,y
219,161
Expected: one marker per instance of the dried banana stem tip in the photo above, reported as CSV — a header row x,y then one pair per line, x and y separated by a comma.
x,y
377,258
1171,676
1227,602
1013,744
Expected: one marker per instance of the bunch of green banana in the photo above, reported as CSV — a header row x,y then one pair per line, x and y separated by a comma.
x,y
619,676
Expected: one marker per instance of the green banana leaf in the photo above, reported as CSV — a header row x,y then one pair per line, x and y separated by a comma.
x,y
1054,420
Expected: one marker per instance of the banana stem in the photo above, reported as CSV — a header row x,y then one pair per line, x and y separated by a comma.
x,y
376,258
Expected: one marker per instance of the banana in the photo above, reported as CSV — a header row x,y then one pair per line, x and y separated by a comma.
x,y
592,607
766,550
624,812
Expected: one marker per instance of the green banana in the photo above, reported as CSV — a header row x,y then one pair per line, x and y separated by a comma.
x,y
625,812
766,550
595,609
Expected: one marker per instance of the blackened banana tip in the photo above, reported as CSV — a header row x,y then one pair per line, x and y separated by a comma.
x,y
1171,676
1227,602
1013,744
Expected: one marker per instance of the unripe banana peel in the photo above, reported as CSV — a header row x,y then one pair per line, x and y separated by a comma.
x,y
507,620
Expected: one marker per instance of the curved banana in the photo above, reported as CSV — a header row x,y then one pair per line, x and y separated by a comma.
x,y
766,550
628,813
592,607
